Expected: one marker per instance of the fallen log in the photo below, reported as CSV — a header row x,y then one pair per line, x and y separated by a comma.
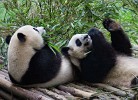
x,y
18,91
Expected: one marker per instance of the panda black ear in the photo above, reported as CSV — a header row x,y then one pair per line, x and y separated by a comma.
x,y
65,50
21,37
8,39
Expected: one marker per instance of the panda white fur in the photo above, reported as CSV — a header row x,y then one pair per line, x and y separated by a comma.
x,y
104,62
32,63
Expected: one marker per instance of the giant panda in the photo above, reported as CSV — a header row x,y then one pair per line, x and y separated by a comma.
x,y
101,61
32,63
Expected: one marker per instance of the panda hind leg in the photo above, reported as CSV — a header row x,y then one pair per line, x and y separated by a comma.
x,y
120,40
134,81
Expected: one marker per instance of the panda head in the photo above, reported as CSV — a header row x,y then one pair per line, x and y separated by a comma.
x,y
27,36
78,46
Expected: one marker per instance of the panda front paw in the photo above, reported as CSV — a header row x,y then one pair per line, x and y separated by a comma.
x,y
94,32
111,25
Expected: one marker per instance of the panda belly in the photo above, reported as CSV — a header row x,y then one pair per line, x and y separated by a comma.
x,y
64,75
125,70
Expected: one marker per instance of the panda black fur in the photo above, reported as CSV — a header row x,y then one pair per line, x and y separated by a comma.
x,y
32,63
104,62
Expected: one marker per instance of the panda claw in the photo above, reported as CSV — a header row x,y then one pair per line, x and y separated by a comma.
x,y
111,25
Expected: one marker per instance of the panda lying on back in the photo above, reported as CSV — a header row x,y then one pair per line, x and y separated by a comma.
x,y
31,63
104,62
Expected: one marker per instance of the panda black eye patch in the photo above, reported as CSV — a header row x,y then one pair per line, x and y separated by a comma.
x,y
78,42
35,29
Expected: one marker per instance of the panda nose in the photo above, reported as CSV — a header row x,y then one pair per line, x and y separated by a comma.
x,y
85,37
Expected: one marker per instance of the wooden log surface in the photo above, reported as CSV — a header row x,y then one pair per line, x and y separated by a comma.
x,y
71,91
65,94
114,90
23,93
6,95
52,94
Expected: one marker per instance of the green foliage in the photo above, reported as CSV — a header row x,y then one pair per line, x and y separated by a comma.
x,y
3,51
64,18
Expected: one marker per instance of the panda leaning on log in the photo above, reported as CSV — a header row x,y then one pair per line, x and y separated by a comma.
x,y
32,63
100,61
